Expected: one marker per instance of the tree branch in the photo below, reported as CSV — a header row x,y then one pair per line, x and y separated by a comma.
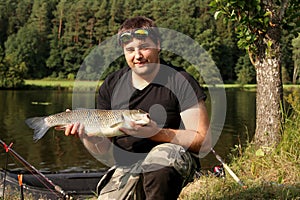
x,y
283,7
251,57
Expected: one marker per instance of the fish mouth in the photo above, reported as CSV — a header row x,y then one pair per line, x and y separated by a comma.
x,y
144,121
148,116
141,117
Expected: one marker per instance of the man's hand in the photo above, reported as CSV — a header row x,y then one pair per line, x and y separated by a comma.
x,y
146,131
76,129
94,144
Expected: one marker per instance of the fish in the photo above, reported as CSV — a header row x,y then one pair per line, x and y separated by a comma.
x,y
96,122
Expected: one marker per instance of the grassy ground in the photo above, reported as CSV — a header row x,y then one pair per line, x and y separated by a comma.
x,y
62,84
274,176
267,176
70,84
52,83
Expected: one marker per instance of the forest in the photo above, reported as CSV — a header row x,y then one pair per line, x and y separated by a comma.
x,y
51,38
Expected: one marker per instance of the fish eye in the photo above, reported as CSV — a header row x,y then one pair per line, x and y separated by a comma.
x,y
141,111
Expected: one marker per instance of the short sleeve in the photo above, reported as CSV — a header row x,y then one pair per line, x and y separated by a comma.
x,y
190,91
104,96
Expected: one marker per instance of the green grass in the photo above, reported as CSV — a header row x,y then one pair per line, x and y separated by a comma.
x,y
62,84
69,84
274,176
51,83
267,176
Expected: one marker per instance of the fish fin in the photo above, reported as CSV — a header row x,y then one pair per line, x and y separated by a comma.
x,y
116,124
127,122
38,125
60,128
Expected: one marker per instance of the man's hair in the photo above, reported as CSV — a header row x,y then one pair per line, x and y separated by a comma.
x,y
141,22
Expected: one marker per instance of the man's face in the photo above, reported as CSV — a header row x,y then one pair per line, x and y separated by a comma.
x,y
142,56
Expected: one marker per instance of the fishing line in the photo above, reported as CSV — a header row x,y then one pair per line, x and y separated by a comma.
x,y
32,169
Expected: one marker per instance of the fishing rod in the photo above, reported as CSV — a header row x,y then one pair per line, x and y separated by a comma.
x,y
232,174
32,168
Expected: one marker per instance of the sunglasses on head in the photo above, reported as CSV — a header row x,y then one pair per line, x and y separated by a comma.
x,y
129,35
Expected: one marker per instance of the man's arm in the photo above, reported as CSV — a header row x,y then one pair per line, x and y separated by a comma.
x,y
196,119
195,137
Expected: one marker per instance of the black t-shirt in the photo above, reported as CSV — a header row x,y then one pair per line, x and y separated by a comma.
x,y
172,91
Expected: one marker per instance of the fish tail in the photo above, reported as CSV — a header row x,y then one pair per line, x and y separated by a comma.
x,y
39,126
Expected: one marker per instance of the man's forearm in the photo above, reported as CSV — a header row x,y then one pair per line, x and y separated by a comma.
x,y
189,139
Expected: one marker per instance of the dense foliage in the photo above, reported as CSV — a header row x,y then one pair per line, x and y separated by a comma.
x,y
51,38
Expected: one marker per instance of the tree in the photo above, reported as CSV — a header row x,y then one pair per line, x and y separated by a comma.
x,y
25,46
116,16
11,75
244,70
101,24
13,15
55,61
259,24
287,65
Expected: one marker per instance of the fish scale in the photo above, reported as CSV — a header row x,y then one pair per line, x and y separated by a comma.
x,y
96,122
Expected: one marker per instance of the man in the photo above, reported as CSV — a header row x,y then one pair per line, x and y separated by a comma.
x,y
153,161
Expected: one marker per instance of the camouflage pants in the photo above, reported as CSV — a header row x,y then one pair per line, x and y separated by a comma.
x,y
124,183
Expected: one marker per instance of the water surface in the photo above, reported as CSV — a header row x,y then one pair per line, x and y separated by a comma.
x,y
56,152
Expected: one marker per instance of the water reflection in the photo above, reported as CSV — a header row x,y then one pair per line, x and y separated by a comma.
x,y
55,152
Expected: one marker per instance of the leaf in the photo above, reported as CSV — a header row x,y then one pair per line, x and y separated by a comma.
x,y
248,38
280,180
232,13
258,7
269,43
260,153
217,14
268,13
253,168
266,21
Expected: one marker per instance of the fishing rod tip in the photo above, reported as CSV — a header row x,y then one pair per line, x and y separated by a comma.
x,y
243,185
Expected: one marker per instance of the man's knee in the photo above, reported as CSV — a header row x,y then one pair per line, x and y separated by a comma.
x,y
164,183
169,155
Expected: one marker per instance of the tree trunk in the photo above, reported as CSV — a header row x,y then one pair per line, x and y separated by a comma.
x,y
60,24
269,97
268,102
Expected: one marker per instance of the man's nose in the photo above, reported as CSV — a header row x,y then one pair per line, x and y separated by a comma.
x,y
137,53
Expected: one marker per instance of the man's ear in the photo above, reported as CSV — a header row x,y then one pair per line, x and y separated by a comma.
x,y
158,46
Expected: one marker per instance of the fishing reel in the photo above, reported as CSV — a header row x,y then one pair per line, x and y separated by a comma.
x,y
218,171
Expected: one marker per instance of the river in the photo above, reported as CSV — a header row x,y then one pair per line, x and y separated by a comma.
x,y
56,152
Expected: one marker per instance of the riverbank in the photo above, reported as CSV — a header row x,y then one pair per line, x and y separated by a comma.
x,y
70,84
266,176
66,85
273,176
